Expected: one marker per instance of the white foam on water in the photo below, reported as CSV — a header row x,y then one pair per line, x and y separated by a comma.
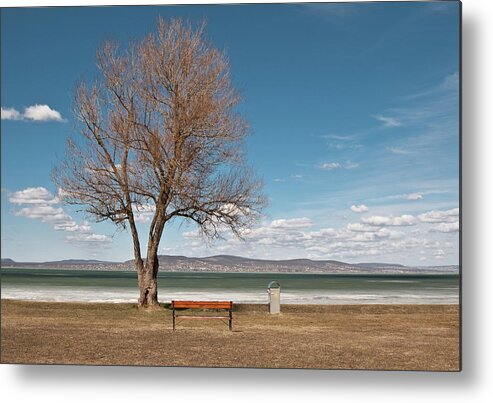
x,y
130,295
324,297
66,294
391,281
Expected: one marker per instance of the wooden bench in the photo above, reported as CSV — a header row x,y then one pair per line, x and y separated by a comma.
x,y
203,305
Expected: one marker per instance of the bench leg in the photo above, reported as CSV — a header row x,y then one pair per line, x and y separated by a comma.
x,y
174,319
230,319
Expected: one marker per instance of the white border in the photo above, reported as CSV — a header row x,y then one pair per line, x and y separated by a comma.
x,y
129,384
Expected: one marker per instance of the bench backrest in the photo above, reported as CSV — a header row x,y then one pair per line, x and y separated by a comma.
x,y
203,304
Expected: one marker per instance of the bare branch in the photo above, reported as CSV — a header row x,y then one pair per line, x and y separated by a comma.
x,y
161,127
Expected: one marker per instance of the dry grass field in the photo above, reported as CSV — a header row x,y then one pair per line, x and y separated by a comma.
x,y
390,337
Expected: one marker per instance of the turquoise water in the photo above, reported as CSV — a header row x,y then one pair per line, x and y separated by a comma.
x,y
112,286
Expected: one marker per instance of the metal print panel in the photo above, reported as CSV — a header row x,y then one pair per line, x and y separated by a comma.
x,y
262,186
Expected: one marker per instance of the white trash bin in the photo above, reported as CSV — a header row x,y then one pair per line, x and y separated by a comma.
x,y
274,292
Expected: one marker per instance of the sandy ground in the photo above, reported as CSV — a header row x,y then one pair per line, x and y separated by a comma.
x,y
390,337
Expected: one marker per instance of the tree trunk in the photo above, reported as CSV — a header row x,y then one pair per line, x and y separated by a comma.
x,y
147,277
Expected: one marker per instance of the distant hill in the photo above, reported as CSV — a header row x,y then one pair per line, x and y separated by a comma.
x,y
228,263
377,265
67,263
79,261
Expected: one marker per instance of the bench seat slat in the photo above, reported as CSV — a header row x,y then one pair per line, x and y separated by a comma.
x,y
203,304
200,317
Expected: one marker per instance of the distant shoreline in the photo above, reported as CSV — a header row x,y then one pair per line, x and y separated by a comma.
x,y
108,268
237,264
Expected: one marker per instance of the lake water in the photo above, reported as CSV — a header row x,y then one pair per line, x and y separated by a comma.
x,y
111,286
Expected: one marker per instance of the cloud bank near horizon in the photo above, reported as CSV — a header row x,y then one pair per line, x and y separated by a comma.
x,y
372,236
40,204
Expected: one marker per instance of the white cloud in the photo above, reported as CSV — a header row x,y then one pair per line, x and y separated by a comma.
x,y
324,233
143,212
55,216
381,221
42,205
388,121
358,227
337,137
330,165
355,241
89,238
351,165
451,82
374,236
410,196
413,196
342,142
398,151
145,208
37,113
72,226
359,208
191,234
10,114
45,213
142,218
292,223
439,254
233,210
440,216
42,113
446,227
38,195
62,194
286,236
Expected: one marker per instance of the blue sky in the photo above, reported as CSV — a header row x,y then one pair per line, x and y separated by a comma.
x,y
354,110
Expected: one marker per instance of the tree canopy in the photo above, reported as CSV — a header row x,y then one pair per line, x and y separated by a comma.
x,y
161,131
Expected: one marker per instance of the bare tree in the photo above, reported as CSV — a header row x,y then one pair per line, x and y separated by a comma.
x,y
161,132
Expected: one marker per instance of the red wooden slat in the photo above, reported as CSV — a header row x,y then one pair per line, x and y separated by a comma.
x,y
201,317
203,304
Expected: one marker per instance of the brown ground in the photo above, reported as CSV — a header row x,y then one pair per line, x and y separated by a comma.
x,y
405,337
